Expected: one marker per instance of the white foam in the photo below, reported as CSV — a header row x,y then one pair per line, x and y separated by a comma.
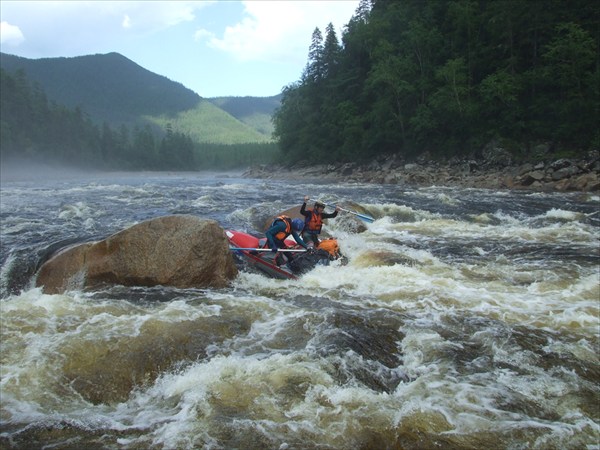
x,y
562,214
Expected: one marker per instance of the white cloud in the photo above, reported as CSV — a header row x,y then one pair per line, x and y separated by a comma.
x,y
68,28
281,30
151,16
10,34
203,34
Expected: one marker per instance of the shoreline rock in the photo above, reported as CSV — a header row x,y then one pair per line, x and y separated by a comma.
x,y
562,175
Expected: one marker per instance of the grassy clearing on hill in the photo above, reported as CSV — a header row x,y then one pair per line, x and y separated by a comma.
x,y
207,123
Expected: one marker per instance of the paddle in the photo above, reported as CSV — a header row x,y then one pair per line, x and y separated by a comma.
x,y
251,249
364,217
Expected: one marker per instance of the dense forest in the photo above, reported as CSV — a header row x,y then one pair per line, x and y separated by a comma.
x,y
446,77
32,128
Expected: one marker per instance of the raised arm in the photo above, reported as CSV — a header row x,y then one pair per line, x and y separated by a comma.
x,y
303,208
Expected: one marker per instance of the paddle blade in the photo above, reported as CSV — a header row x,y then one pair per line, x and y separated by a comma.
x,y
364,217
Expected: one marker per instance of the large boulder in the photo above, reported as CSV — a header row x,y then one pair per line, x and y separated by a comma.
x,y
180,251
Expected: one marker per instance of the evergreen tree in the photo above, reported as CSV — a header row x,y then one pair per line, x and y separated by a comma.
x,y
314,71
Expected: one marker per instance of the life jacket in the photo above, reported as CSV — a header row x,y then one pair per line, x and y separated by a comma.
x,y
288,227
330,246
313,223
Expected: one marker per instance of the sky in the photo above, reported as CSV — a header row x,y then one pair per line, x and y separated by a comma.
x,y
215,48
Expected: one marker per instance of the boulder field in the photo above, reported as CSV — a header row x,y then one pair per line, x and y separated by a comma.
x,y
494,169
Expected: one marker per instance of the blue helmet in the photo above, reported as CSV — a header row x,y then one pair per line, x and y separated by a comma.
x,y
297,225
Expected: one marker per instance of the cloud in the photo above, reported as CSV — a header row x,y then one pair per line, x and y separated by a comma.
x,y
203,34
276,31
10,34
69,28
153,16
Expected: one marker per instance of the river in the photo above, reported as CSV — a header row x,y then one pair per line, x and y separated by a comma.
x,y
464,319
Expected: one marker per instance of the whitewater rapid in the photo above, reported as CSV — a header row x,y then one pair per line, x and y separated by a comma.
x,y
464,319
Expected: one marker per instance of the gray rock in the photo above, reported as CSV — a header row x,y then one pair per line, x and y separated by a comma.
x,y
561,164
525,168
495,155
565,172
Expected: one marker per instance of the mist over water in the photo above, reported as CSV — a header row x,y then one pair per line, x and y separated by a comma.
x,y
464,319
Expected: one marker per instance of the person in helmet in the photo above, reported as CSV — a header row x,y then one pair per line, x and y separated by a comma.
x,y
280,229
313,221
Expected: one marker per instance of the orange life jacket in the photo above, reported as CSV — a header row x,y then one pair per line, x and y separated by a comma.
x,y
313,223
330,246
288,227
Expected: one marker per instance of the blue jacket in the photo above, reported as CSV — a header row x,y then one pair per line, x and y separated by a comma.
x,y
278,227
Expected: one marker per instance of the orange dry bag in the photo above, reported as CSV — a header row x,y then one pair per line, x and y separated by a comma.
x,y
330,246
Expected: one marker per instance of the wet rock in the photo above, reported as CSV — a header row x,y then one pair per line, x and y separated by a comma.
x,y
586,182
565,172
561,164
495,154
491,168
525,168
347,169
350,223
389,163
529,178
390,179
179,251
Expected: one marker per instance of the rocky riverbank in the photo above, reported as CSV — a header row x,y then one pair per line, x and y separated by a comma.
x,y
494,170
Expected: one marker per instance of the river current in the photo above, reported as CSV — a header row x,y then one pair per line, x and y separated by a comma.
x,y
464,319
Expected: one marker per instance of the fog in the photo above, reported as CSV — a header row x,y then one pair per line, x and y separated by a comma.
x,y
12,170
25,171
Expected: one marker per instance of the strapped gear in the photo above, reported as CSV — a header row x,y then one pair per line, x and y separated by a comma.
x,y
330,246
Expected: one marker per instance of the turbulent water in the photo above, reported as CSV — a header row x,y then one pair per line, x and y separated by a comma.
x,y
464,319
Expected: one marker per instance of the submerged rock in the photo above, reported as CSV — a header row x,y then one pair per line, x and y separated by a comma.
x,y
179,251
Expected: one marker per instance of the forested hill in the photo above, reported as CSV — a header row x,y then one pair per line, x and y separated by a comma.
x,y
445,77
112,89
108,87
106,112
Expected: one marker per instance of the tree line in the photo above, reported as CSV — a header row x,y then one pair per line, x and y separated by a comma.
x,y
32,128
446,77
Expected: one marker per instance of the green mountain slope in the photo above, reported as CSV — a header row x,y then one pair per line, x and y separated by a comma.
x,y
255,112
113,89
208,123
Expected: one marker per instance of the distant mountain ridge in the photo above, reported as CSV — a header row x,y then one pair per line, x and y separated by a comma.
x,y
113,89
